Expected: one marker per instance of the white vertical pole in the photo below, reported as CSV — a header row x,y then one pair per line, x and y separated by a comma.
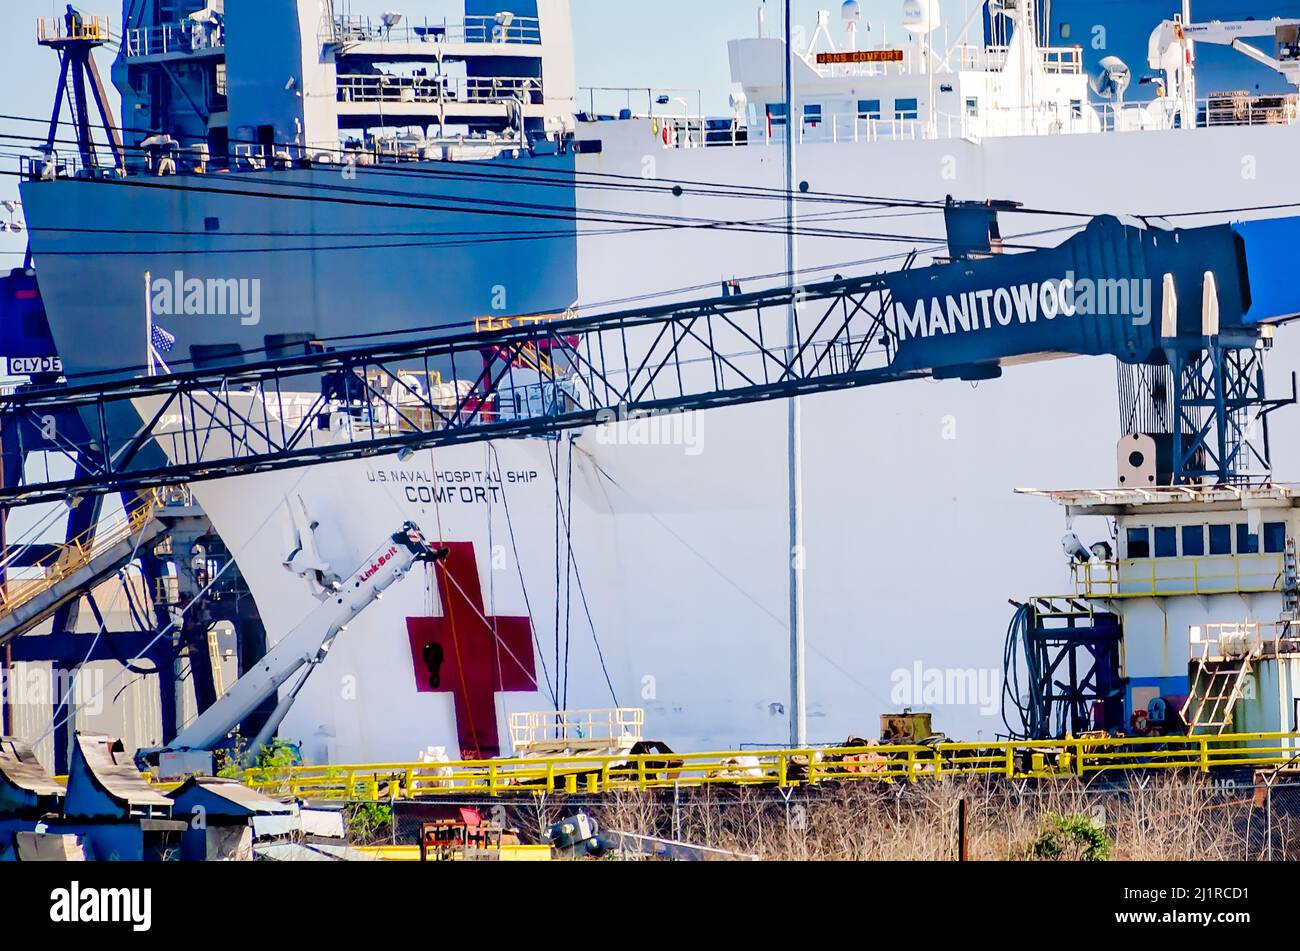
x,y
1188,72
148,324
798,687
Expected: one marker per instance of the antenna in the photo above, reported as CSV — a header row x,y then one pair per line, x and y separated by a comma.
x,y
851,13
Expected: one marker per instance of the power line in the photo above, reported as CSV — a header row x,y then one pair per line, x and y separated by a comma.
x,y
455,169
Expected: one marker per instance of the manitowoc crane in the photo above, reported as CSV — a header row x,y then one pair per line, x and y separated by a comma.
x,y
303,647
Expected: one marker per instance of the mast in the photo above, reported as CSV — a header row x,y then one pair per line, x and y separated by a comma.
x,y
798,686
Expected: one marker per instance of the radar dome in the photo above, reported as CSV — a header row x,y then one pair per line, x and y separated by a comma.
x,y
850,11
921,16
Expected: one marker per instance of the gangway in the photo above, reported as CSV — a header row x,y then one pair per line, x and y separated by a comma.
x,y
76,567
1210,297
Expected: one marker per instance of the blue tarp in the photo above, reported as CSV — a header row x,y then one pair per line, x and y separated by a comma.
x,y
1272,247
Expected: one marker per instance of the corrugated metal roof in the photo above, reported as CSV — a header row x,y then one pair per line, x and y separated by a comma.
x,y
19,766
235,793
115,772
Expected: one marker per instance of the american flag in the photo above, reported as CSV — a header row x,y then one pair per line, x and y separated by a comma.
x,y
162,341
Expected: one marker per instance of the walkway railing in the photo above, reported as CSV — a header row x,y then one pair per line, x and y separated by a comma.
x,y
1203,575
474,29
438,89
71,556
1047,759
188,36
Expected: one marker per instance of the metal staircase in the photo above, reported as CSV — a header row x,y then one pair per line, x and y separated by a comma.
x,y
76,567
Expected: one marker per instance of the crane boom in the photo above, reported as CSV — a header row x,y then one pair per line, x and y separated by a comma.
x,y
304,646
1171,44
1117,288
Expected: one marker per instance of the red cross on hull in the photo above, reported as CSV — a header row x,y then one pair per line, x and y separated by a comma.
x,y
470,654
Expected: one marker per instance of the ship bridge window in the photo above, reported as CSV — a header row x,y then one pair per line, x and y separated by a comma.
x,y
776,114
812,115
1247,541
868,108
1274,537
1193,541
906,109
972,106
1220,539
1166,541
1138,542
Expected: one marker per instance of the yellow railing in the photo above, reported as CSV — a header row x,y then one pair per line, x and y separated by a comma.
x,y
781,768
94,29
72,556
1144,578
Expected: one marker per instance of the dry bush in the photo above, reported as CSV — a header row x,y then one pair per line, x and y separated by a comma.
x,y
1154,818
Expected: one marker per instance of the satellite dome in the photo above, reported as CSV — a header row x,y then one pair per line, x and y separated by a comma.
x,y
850,11
921,16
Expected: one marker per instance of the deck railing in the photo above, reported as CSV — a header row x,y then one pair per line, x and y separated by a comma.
x,y
1038,759
90,29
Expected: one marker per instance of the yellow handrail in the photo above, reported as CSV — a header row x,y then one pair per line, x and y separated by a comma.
x,y
93,29
1141,578
1068,757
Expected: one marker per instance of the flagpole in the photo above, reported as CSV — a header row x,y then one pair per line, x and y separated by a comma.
x,y
148,323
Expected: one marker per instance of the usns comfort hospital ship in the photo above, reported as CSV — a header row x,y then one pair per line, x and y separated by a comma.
x,y
376,176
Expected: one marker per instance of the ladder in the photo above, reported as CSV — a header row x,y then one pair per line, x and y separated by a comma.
x,y
1290,589
1216,687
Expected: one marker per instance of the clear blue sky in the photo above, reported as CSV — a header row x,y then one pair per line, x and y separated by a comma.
x,y
678,43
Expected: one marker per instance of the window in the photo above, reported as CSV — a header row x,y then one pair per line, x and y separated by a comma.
x,y
1076,108
1139,542
812,115
868,108
1166,541
1220,539
906,109
1274,537
972,107
1247,542
1065,31
1193,541
776,114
